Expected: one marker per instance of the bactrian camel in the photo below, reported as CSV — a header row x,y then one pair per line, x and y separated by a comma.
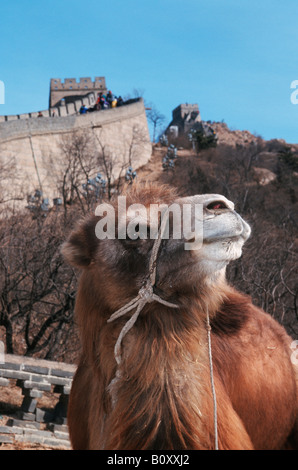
x,y
158,394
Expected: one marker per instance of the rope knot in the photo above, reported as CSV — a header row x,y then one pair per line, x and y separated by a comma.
x,y
146,293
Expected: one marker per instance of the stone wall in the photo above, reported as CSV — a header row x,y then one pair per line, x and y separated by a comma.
x,y
59,110
35,377
33,146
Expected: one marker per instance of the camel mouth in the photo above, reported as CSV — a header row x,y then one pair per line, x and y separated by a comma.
x,y
231,239
243,236
225,226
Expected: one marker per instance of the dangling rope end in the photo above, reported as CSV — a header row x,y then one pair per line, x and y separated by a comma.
x,y
208,328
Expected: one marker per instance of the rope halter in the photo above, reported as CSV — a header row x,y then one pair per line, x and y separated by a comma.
x,y
145,296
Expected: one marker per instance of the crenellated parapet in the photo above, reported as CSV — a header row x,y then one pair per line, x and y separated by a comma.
x,y
66,97
69,89
62,109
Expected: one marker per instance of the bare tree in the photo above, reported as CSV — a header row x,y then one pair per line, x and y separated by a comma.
x,y
79,164
37,289
268,268
108,163
155,118
113,165
268,272
10,181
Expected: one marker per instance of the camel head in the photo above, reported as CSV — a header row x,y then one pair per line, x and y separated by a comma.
x,y
204,234
224,232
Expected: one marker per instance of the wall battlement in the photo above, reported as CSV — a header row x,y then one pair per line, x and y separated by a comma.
x,y
70,88
73,84
64,109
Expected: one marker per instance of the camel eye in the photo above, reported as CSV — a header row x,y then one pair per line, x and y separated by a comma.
x,y
216,205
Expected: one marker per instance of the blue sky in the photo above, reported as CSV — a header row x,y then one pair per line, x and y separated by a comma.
x,y
236,59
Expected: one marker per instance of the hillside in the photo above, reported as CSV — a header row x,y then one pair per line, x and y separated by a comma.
x,y
261,178
264,156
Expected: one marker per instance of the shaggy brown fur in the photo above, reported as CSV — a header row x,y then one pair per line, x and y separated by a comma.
x,y
164,398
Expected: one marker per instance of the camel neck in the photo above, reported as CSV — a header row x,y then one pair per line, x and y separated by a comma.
x,y
159,353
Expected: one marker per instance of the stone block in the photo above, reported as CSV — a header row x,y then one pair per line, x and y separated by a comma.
x,y
29,404
54,427
10,365
56,442
62,373
4,382
46,387
61,435
17,430
63,111
5,439
36,432
26,416
39,378
43,416
57,380
31,392
35,369
6,430
14,374
70,108
10,430
77,104
23,424
12,117
35,439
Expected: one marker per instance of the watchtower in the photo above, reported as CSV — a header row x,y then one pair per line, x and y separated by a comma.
x,y
185,116
186,111
70,90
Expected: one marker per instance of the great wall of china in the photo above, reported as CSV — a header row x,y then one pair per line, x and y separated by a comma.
x,y
32,145
30,159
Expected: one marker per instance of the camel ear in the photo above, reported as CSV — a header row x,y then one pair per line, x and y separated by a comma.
x,y
80,248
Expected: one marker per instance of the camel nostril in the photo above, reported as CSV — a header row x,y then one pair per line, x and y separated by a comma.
x,y
215,205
